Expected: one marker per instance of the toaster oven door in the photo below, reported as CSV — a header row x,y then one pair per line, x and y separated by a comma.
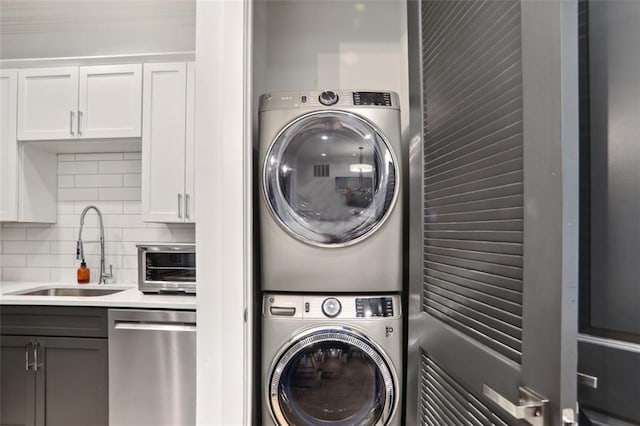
x,y
176,267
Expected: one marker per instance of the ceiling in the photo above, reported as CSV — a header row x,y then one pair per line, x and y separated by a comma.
x,y
54,28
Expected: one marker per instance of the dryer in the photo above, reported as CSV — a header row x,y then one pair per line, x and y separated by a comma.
x,y
330,195
332,360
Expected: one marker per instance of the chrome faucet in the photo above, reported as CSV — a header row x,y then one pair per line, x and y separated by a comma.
x,y
80,249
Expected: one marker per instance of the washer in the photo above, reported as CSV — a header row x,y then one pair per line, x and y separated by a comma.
x,y
330,204
331,360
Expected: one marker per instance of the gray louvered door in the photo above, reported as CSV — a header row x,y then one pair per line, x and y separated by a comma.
x,y
493,210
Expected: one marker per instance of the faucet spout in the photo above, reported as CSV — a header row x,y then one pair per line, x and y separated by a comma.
x,y
80,249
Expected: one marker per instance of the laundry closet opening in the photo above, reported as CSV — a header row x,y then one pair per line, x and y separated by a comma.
x,y
329,109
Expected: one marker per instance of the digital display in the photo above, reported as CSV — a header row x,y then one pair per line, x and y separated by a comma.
x,y
372,98
374,307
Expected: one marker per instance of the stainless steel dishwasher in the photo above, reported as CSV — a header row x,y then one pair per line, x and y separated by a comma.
x,y
152,367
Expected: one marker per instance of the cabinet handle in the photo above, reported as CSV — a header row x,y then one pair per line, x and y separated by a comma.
x,y
186,206
35,356
72,115
26,356
80,123
179,206
154,326
532,407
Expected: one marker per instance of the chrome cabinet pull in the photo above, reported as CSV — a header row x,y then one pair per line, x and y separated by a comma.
x,y
26,356
532,408
35,356
179,206
155,326
72,115
186,206
80,123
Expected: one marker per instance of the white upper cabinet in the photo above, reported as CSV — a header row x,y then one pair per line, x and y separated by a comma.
x,y
80,102
167,143
8,145
28,180
47,103
110,101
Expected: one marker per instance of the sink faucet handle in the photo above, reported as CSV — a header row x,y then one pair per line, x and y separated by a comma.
x,y
109,274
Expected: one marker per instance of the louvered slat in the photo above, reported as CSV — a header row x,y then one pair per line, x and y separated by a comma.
x,y
445,401
487,289
480,168
473,180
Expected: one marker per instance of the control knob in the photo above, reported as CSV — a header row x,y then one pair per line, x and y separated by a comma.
x,y
328,97
331,307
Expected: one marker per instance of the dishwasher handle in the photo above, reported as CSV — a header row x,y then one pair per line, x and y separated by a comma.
x,y
154,326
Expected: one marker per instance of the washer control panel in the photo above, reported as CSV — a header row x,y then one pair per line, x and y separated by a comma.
x,y
372,98
331,306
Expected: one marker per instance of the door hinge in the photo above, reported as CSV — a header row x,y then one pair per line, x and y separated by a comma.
x,y
531,406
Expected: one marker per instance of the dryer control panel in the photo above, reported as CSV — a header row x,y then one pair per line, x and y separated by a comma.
x,y
334,99
314,306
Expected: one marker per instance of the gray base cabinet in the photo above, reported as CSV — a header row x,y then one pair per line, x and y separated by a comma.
x,y
17,384
53,380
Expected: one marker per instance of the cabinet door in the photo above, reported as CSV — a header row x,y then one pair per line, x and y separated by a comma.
x,y
189,159
110,101
17,381
8,145
72,382
47,103
163,142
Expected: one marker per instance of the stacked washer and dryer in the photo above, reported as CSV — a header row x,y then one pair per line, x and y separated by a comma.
x,y
331,258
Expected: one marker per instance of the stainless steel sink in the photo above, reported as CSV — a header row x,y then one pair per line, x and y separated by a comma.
x,y
69,291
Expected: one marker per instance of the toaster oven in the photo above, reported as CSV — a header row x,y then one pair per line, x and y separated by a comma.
x,y
167,268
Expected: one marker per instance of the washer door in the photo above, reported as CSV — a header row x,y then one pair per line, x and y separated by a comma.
x,y
332,377
330,178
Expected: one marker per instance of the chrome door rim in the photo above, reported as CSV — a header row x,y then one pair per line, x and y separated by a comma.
x,y
334,334
302,238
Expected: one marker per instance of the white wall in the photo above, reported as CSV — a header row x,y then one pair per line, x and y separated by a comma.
x,y
61,28
319,44
110,181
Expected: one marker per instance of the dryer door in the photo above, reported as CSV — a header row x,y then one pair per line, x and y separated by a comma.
x,y
330,178
332,377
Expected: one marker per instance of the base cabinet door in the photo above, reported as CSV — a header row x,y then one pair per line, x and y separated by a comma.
x,y
53,381
17,381
72,382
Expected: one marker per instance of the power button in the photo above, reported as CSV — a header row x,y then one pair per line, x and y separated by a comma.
x,y
331,307
328,97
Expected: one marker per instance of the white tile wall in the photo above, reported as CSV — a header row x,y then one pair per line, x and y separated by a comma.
x,y
110,181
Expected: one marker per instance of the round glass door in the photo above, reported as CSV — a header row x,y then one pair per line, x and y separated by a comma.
x,y
330,178
332,377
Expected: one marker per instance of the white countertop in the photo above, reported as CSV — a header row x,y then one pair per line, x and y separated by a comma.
x,y
130,297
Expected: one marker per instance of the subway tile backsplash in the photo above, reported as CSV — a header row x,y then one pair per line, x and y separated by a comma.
x,y
110,181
